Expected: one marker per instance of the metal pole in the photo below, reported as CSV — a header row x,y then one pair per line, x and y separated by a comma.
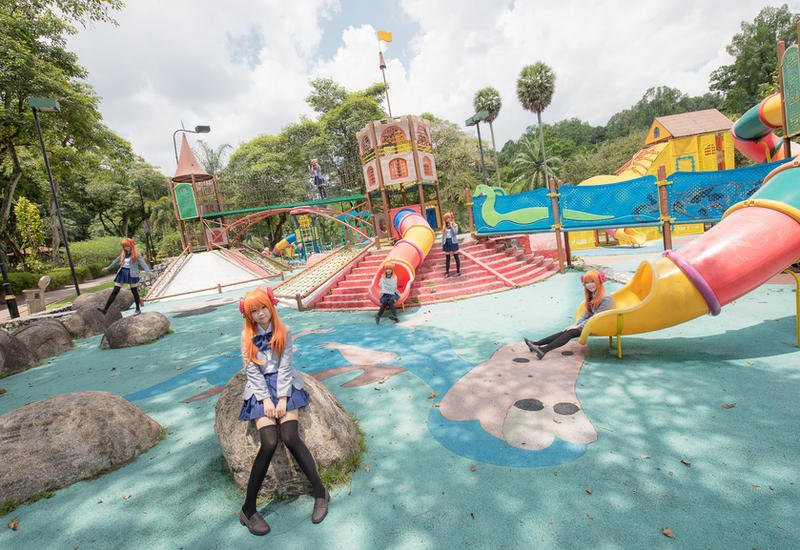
x,y
55,201
480,146
11,300
146,226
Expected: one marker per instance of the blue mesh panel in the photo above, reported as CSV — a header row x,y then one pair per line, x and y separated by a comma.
x,y
508,211
705,196
629,202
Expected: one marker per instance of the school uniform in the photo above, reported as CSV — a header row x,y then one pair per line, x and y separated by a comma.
x,y
128,272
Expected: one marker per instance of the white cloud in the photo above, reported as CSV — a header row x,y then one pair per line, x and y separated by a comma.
x,y
197,61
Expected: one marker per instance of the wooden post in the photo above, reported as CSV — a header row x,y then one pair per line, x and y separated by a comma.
x,y
421,200
438,204
374,221
219,288
469,211
299,300
663,207
787,146
566,236
384,197
556,223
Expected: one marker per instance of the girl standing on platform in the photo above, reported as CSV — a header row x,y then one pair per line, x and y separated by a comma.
x,y
127,274
596,300
272,395
450,244
388,288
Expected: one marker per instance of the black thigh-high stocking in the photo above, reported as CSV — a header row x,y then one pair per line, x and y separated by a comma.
x,y
112,297
458,262
135,292
269,442
447,263
383,308
291,438
393,310
560,339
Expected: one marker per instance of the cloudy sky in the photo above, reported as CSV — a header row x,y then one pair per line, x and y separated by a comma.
x,y
243,67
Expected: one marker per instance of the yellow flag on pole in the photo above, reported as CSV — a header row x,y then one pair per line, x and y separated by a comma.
x,y
386,36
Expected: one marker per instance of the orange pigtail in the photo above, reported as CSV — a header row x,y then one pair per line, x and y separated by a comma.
x,y
132,244
598,277
254,300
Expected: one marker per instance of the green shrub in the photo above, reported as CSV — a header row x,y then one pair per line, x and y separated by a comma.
x,y
99,249
62,276
169,245
21,280
96,269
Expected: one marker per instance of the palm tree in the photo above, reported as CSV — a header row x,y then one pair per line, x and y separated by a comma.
x,y
211,158
488,99
535,88
529,168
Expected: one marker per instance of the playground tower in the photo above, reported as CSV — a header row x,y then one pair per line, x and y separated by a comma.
x,y
397,156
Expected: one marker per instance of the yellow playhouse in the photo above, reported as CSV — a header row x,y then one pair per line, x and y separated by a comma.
x,y
699,141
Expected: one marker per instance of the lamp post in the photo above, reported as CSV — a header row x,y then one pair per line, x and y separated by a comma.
x,y
11,300
203,129
47,105
147,247
475,120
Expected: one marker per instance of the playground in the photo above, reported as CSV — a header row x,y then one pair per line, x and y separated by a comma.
x,y
669,420
693,432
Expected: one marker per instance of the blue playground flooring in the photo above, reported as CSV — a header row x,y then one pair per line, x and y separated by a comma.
x,y
438,483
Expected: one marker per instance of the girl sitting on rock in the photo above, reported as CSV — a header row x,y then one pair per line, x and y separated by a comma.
x,y
272,395
596,300
127,274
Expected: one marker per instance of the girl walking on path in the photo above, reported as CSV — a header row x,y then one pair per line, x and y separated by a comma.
x,y
272,396
388,288
127,274
450,244
596,300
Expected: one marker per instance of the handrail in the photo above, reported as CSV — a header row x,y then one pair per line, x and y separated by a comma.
x,y
312,267
219,288
335,278
494,272
166,271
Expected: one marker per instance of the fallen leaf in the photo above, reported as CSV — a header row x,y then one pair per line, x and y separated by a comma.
x,y
432,395
366,468
749,362
756,485
557,421
781,528
14,523
199,490
178,368
588,516
670,473
728,405
435,405
555,473
644,456
144,511
472,468
686,462
667,532
126,497
376,389
472,515
589,490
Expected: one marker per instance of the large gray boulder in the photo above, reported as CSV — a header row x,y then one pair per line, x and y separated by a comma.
x,y
87,321
135,330
54,442
325,426
123,301
15,356
45,338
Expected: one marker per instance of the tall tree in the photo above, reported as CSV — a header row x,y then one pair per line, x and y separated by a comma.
x,y
755,57
535,88
488,99
528,166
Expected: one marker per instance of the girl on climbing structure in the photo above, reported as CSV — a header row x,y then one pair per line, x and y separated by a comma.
x,y
272,396
596,300
450,244
127,274
388,288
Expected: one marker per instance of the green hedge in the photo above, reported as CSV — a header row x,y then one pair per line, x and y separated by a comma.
x,y
100,249
96,269
20,280
62,276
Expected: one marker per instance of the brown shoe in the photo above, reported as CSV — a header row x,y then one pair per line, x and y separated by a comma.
x,y
320,508
257,524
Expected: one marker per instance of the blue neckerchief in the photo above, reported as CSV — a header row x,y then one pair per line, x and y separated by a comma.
x,y
261,341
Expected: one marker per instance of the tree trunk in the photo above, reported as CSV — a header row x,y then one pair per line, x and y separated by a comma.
x,y
541,140
14,248
55,237
16,174
494,148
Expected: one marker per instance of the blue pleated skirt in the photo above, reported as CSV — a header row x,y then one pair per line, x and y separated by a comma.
x,y
390,297
450,246
253,408
124,277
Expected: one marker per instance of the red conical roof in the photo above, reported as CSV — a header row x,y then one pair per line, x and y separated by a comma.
x,y
188,165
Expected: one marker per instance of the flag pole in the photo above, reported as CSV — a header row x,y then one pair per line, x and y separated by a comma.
x,y
382,65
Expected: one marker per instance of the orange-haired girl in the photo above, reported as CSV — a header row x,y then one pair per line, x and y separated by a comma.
x,y
450,243
272,395
596,300
127,274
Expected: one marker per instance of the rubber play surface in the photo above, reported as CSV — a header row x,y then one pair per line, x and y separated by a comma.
x,y
471,441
